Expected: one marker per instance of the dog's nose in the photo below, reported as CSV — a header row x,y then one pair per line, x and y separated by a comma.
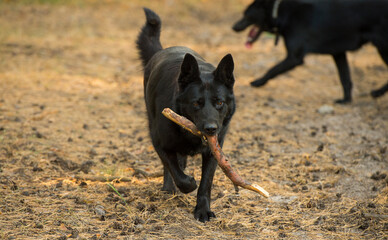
x,y
241,25
210,128
236,28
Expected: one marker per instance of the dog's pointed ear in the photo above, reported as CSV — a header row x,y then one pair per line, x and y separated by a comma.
x,y
189,71
224,71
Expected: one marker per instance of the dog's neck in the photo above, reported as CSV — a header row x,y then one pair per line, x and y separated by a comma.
x,y
275,14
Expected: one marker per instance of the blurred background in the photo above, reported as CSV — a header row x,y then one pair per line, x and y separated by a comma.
x,y
72,118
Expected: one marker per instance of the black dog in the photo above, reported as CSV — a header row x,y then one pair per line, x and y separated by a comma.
x,y
319,26
180,79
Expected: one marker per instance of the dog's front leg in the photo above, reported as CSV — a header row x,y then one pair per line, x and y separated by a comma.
x,y
343,70
287,64
202,211
171,162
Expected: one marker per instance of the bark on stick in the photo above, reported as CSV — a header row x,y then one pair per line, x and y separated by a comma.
x,y
222,159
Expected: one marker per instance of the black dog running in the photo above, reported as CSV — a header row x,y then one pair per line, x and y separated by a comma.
x,y
180,79
319,26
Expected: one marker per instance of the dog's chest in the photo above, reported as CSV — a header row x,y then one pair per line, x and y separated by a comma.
x,y
189,145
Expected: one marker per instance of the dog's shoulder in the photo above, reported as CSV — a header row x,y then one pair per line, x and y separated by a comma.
x,y
298,10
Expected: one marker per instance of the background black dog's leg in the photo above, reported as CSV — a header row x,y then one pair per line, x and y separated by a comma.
x,y
202,211
289,63
343,70
379,92
170,161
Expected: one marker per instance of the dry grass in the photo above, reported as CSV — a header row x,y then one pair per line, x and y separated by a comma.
x,y
71,107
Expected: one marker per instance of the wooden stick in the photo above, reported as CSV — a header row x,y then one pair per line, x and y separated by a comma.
x,y
182,121
222,160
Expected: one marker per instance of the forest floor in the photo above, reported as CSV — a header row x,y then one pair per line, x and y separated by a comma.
x,y
72,116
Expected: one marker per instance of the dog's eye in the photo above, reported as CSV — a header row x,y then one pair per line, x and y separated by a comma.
x,y
196,104
219,103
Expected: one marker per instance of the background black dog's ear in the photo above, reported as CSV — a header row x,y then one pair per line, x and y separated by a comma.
x,y
224,71
189,71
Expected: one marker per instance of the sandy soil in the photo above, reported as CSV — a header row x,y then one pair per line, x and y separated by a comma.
x,y
72,116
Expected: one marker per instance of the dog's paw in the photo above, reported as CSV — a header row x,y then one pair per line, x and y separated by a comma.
x,y
187,185
202,210
259,82
169,189
203,214
377,93
343,101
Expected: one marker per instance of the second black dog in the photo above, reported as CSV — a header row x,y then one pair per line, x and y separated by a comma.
x,y
319,26
180,79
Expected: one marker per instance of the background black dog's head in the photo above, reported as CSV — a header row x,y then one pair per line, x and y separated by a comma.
x,y
206,98
258,14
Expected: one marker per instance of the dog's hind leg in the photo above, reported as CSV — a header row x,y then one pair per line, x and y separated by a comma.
x,y
171,164
287,64
343,70
379,92
182,161
168,182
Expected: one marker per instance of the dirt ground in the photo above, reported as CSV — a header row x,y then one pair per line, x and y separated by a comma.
x,y
72,119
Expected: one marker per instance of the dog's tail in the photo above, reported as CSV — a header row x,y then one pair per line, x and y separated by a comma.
x,y
148,41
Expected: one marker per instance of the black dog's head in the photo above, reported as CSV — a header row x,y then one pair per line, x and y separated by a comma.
x,y
206,97
257,14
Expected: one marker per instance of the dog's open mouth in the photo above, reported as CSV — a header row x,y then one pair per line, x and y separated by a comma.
x,y
253,35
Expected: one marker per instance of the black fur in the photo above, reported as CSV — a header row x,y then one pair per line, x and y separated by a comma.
x,y
148,41
321,26
180,79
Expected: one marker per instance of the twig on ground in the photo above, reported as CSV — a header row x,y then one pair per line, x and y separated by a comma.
x,y
138,171
373,215
120,179
103,178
